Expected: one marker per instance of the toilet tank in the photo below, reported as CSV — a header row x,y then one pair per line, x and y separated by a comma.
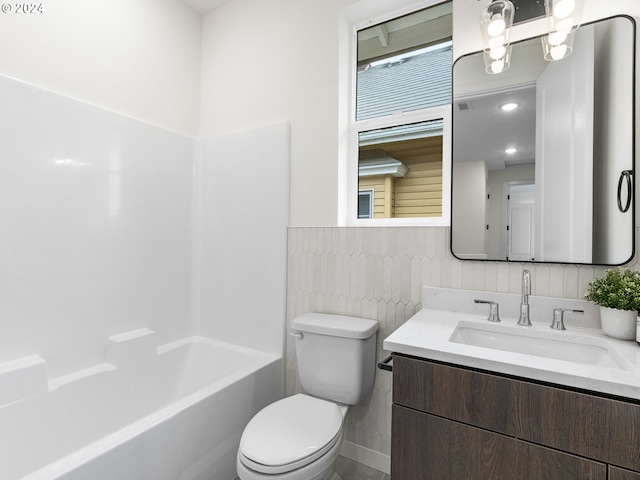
x,y
336,355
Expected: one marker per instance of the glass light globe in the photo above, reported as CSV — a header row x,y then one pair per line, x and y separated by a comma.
x,y
497,25
556,38
497,53
497,66
564,8
497,42
565,25
558,52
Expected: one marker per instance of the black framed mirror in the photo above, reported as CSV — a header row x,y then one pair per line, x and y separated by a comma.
x,y
543,164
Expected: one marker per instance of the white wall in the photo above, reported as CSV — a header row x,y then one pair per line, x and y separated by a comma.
x,y
469,205
140,58
268,62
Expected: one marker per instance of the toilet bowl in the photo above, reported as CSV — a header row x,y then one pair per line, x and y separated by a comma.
x,y
300,437
297,438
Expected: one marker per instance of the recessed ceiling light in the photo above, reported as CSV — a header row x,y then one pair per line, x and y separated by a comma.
x,y
510,150
507,107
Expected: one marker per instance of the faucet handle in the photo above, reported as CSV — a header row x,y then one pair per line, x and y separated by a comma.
x,y
558,317
494,316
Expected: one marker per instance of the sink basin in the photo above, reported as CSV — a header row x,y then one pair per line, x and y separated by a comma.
x,y
564,345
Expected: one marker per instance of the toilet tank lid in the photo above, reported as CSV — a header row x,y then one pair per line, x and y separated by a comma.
x,y
335,325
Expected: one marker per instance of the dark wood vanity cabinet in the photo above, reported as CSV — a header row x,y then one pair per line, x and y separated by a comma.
x,y
453,423
616,473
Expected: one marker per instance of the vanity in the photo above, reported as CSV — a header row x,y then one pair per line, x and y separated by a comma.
x,y
486,400
474,399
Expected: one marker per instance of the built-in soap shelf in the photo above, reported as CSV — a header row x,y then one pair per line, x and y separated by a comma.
x,y
27,376
132,349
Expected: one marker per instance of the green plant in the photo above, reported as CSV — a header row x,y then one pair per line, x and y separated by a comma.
x,y
619,288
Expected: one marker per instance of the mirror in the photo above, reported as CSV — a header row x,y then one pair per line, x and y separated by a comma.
x,y
551,178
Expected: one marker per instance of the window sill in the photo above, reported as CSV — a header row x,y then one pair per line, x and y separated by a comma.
x,y
401,222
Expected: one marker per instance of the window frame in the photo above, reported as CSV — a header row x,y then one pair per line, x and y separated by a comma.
x,y
370,192
443,112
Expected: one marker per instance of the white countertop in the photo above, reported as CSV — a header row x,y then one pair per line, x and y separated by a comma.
x,y
427,335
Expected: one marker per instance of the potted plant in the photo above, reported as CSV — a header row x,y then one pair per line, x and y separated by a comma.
x,y
618,295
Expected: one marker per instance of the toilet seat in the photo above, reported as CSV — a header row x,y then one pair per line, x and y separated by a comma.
x,y
290,434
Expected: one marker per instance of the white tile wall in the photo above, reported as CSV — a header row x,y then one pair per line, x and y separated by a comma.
x,y
378,273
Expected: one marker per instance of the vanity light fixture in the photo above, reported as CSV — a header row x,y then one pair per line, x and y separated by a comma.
x,y
496,22
563,18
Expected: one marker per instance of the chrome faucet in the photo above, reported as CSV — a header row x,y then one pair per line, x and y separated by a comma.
x,y
524,304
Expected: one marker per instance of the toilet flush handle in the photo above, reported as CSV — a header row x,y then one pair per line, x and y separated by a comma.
x,y
298,335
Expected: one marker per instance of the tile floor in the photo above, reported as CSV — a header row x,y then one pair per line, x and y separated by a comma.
x,y
350,470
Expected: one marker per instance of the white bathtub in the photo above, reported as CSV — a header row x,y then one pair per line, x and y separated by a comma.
x,y
175,412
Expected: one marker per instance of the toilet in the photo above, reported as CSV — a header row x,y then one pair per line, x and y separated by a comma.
x,y
300,437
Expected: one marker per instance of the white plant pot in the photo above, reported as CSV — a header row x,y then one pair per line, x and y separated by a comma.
x,y
619,323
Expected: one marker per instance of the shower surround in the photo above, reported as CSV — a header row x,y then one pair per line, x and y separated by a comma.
x,y
126,260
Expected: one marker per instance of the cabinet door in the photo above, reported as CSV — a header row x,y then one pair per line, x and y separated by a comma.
x,y
426,447
616,473
604,429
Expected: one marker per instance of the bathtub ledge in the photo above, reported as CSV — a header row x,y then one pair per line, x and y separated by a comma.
x,y
80,374
22,378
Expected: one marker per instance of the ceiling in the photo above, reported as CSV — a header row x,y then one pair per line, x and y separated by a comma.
x,y
486,131
203,6
481,130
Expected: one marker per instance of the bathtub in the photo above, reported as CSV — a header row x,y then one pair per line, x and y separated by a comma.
x,y
174,412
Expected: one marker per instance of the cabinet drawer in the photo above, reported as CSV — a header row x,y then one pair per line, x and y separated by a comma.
x,y
616,473
600,428
444,449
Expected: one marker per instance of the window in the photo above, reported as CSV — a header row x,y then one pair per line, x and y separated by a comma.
x,y
401,127
365,203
